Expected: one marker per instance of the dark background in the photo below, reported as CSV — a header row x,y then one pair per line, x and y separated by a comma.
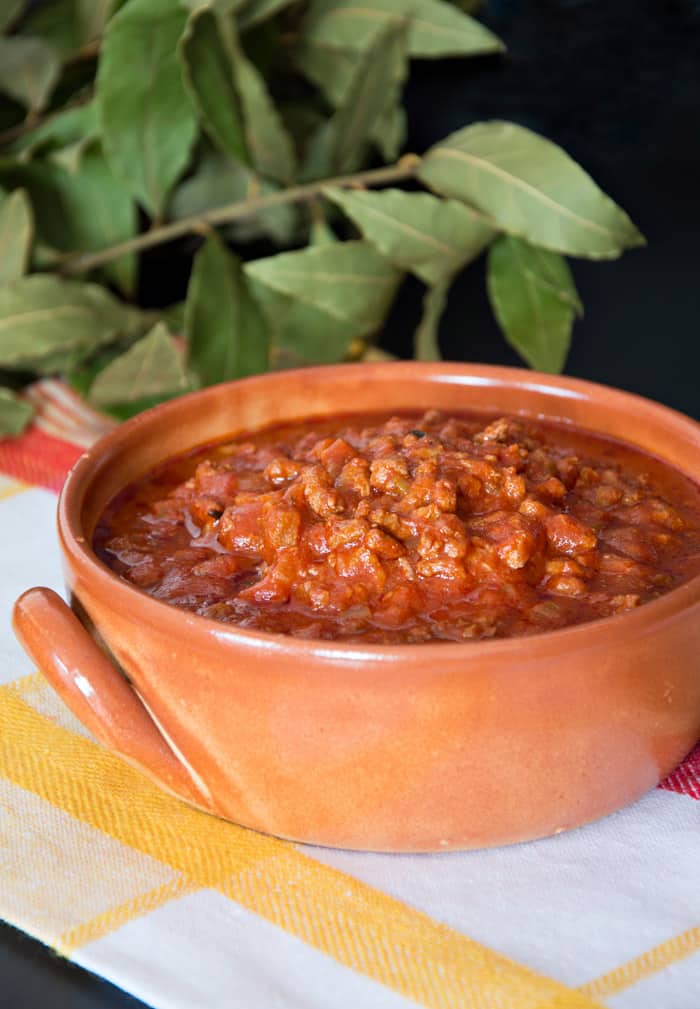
x,y
617,84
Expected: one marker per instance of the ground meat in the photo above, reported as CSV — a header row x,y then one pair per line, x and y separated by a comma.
x,y
407,529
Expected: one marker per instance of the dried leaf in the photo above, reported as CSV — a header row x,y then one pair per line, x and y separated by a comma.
x,y
147,120
29,69
227,335
152,367
433,238
534,299
47,323
530,188
16,229
15,413
435,28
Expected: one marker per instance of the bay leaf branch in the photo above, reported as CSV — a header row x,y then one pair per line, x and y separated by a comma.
x,y
79,263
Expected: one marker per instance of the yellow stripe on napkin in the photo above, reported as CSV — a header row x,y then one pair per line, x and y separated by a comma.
x,y
109,921
650,962
358,926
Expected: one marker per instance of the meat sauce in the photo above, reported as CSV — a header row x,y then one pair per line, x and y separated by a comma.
x,y
407,528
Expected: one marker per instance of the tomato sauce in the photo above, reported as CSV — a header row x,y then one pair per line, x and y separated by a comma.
x,y
407,528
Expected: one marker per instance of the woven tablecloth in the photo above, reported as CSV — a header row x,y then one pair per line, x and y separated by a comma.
x,y
184,910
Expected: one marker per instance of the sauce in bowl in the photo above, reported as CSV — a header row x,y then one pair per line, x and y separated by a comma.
x,y
407,528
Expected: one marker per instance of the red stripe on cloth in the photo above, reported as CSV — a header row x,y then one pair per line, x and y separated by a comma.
x,y
38,458
685,779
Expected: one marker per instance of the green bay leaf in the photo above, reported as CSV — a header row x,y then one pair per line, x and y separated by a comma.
x,y
147,120
59,130
226,332
301,333
552,272
219,180
269,144
174,317
29,70
215,181
372,353
9,10
530,188
47,324
69,25
534,299
55,21
221,72
102,213
333,72
389,133
433,238
221,6
208,76
93,16
435,28
426,345
152,367
15,413
331,69
320,231
252,12
349,281
70,156
341,143
16,229
82,210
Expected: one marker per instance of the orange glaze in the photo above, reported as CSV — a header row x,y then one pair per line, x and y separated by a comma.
x,y
407,528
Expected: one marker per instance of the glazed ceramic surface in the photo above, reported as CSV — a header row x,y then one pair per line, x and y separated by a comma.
x,y
383,747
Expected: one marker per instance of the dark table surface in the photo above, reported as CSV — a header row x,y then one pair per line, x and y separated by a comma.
x,y
617,85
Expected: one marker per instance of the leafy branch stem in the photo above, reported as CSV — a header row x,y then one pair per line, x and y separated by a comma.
x,y
90,51
77,263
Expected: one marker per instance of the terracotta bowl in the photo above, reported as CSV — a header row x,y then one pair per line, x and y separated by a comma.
x,y
389,748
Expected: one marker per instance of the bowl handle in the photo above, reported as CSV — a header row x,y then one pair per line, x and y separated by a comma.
x,y
96,691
